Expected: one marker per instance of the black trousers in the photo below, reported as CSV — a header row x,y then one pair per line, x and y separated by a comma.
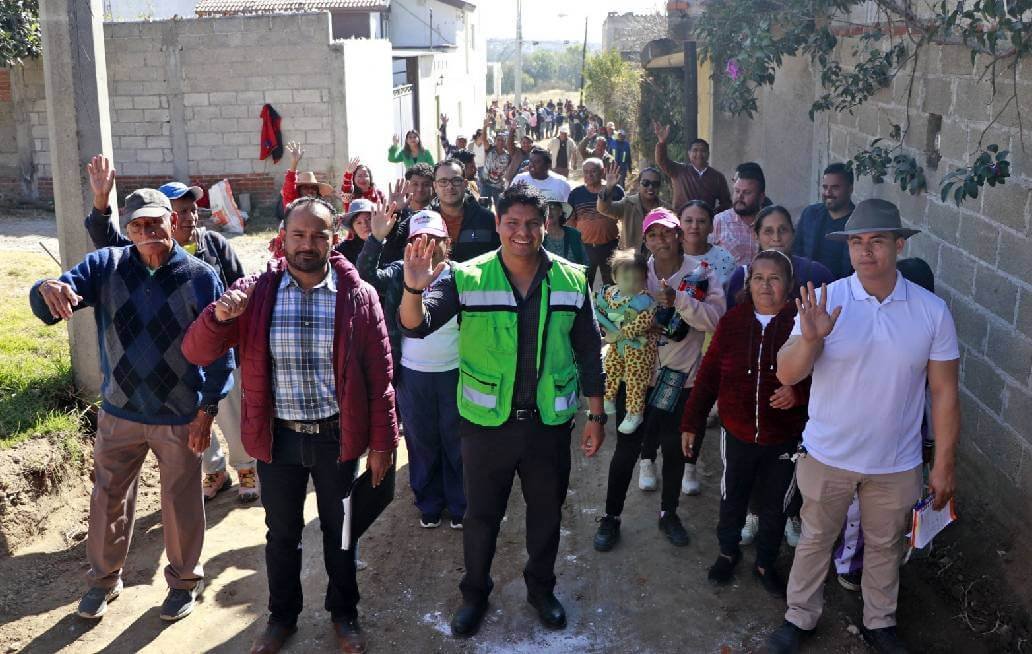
x,y
660,427
491,456
284,484
749,467
598,259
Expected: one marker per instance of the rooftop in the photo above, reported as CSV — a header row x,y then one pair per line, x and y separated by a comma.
x,y
219,7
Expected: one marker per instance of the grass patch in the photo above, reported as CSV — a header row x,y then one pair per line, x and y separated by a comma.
x,y
37,390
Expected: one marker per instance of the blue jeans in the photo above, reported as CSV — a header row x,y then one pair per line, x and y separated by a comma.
x,y
427,404
284,482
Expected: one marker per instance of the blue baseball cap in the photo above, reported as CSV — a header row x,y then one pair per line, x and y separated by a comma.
x,y
176,190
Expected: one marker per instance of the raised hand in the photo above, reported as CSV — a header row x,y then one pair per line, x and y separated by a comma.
x,y
662,131
381,222
102,180
444,119
296,153
398,193
232,303
60,298
612,174
354,163
395,140
418,263
814,320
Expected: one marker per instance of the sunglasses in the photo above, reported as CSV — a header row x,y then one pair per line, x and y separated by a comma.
x,y
648,183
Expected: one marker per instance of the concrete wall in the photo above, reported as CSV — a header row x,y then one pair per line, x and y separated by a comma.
x,y
185,99
628,33
779,137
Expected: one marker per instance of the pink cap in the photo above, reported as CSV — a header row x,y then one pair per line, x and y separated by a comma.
x,y
660,216
427,222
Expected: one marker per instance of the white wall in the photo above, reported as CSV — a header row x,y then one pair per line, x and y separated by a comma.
x,y
411,19
132,10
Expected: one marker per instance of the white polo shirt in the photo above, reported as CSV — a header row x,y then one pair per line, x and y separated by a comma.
x,y
868,393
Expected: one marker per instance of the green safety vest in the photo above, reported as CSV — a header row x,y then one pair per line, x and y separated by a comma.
x,y
488,340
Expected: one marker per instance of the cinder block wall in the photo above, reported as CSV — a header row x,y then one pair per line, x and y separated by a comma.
x,y
185,99
981,252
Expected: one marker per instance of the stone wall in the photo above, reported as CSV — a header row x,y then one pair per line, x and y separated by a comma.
x,y
628,33
981,252
185,98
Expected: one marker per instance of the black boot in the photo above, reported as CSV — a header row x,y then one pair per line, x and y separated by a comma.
x,y
549,609
467,619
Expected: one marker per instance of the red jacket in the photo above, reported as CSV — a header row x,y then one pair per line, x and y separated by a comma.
x,y
361,361
739,373
349,191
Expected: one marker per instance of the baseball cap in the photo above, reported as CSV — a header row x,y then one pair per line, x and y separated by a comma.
x,y
427,222
660,216
563,129
144,203
176,190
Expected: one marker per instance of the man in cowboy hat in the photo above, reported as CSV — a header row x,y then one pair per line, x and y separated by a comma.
x,y
305,184
871,341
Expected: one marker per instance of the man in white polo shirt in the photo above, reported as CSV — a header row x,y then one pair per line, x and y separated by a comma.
x,y
870,356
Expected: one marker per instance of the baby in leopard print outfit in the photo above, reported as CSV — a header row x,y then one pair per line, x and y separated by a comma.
x,y
626,313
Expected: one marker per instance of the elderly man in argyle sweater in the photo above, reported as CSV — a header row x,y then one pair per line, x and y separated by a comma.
x,y
144,296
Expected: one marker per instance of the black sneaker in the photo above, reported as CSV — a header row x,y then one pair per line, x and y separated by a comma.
x,y
771,581
180,602
723,568
430,520
851,581
786,639
884,640
94,603
675,532
608,534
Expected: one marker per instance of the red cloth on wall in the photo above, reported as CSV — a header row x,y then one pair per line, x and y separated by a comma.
x,y
271,139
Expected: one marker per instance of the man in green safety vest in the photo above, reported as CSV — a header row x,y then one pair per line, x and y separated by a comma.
x,y
529,346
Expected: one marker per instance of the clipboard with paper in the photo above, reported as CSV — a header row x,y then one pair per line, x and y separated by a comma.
x,y
365,504
927,522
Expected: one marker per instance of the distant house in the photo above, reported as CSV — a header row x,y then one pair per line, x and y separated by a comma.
x,y
438,51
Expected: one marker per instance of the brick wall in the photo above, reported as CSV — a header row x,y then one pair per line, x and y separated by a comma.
x,y
185,98
981,253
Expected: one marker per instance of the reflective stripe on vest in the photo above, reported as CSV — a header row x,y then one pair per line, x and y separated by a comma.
x,y
474,299
566,299
567,402
485,400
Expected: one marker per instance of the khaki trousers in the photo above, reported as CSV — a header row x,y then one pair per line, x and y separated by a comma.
x,y
118,455
885,504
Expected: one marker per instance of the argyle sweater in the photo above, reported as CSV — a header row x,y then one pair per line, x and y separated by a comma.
x,y
141,320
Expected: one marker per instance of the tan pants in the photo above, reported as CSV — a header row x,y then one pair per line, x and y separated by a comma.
x,y
228,419
885,505
118,454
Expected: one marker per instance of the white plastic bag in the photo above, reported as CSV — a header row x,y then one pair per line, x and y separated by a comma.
x,y
225,214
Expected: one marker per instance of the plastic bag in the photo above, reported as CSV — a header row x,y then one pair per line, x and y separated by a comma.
x,y
225,214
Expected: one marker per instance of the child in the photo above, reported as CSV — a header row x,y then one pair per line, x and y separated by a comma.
x,y
626,312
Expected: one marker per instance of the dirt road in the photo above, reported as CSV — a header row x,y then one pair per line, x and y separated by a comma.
x,y
645,596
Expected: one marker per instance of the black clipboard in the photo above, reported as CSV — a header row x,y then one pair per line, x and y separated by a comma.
x,y
365,504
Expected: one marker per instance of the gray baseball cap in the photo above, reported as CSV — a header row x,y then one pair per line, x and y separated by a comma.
x,y
144,203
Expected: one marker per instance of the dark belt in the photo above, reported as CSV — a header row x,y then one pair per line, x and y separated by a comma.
x,y
522,415
310,427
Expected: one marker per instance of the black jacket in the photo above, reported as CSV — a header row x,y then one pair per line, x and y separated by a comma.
x,y
212,247
478,233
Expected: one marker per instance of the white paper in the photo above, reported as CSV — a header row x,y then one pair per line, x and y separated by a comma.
x,y
928,522
345,531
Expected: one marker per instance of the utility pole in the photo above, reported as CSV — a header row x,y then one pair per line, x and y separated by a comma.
x,y
519,51
583,59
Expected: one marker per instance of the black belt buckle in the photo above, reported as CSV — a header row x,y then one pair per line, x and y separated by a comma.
x,y
521,415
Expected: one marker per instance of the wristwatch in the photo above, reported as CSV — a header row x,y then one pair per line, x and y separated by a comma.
x,y
211,409
600,418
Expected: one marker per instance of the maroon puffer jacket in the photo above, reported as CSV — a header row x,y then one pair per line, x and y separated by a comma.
x,y
739,373
361,361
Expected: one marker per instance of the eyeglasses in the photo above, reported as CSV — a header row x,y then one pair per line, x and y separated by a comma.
x,y
457,182
648,183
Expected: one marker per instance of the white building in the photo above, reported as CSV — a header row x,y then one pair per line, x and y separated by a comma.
x,y
439,54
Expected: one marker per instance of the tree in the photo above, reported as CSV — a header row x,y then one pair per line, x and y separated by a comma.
x,y
19,31
747,41
612,84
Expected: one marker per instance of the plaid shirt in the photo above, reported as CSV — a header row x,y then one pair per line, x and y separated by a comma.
x,y
301,344
734,235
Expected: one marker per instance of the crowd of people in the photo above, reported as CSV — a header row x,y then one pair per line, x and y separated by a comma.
x,y
475,305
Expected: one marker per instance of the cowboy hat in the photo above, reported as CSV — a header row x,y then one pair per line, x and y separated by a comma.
x,y
873,216
307,178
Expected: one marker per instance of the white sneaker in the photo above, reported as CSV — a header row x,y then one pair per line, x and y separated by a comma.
x,y
752,526
647,475
690,480
793,530
609,407
631,422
